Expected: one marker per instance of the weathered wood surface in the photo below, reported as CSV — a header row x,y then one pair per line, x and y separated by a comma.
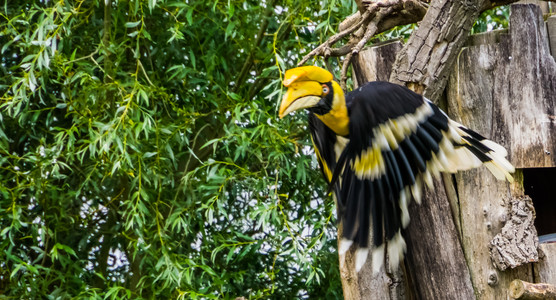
x,y
375,63
529,99
514,81
435,258
551,27
523,290
540,3
524,90
504,91
483,212
545,269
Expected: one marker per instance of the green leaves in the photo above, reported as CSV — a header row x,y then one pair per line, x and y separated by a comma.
x,y
492,19
137,163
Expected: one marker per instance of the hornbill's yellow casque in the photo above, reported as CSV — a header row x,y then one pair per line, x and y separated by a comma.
x,y
376,145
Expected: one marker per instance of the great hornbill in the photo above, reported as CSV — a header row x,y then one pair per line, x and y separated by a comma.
x,y
375,146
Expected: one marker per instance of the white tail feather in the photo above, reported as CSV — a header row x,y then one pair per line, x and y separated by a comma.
x,y
463,159
428,179
501,151
404,202
396,250
360,258
495,170
377,258
416,190
344,246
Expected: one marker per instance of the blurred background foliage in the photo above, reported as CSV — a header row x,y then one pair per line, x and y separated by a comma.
x,y
492,19
141,155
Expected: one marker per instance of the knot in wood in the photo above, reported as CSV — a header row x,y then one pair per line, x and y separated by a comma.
x,y
492,278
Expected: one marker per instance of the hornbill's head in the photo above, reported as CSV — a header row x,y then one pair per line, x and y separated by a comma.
x,y
312,88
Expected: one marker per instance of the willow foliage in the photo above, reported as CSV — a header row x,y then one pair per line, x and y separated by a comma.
x,y
141,155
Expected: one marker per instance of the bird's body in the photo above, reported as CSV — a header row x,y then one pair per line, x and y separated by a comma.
x,y
376,146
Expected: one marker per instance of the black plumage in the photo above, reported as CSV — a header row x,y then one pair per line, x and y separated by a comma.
x,y
375,146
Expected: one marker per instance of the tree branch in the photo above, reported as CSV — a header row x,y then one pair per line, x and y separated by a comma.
x,y
400,11
432,49
374,18
323,49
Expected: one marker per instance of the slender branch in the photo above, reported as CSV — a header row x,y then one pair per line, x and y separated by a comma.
x,y
320,50
370,31
345,66
144,72
108,64
82,58
250,58
339,51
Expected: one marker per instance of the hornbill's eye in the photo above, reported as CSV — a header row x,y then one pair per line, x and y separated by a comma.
x,y
325,89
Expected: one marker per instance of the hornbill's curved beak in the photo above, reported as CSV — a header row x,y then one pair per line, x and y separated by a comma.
x,y
300,95
304,88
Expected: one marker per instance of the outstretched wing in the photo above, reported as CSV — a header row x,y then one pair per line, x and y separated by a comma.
x,y
398,139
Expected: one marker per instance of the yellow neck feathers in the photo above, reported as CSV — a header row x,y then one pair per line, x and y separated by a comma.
x,y
337,118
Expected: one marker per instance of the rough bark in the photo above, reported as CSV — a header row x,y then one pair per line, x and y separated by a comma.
x,y
517,243
551,27
426,61
528,101
375,63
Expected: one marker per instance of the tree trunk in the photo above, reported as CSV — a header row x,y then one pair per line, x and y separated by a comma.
x,y
426,61
503,87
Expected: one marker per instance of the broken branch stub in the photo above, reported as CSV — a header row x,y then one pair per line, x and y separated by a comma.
x,y
524,290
